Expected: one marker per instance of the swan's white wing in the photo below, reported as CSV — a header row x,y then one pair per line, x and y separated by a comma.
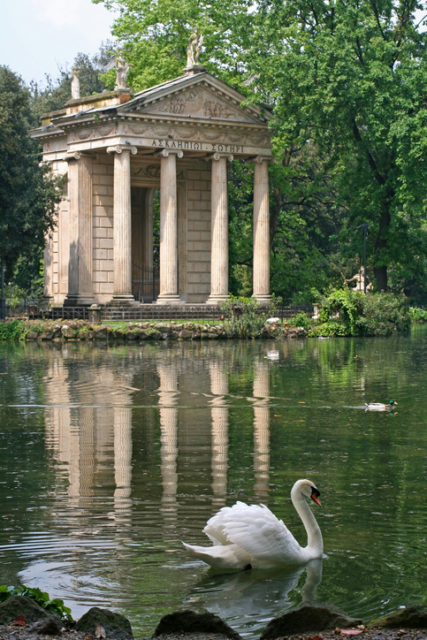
x,y
257,531
222,557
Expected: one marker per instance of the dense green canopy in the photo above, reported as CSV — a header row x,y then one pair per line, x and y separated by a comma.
x,y
27,193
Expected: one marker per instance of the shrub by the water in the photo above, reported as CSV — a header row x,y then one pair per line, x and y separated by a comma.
x,y
12,330
42,598
345,312
243,317
417,314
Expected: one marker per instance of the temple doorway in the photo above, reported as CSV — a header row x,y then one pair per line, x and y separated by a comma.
x,y
145,243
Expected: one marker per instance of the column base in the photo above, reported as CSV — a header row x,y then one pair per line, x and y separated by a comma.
x,y
78,300
123,298
217,299
263,299
169,298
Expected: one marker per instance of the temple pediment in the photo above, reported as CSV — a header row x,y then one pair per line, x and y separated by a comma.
x,y
201,97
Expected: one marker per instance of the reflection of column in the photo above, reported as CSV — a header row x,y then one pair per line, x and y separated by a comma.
x,y
80,230
122,465
122,222
168,439
261,430
85,419
219,230
219,415
168,229
261,233
122,451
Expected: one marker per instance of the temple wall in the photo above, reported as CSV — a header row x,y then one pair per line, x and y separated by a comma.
x,y
103,247
198,180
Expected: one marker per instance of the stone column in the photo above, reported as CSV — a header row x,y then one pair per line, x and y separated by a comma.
x,y
219,230
168,228
80,232
122,209
261,233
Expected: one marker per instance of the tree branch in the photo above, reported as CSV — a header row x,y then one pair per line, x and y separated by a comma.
x,y
379,178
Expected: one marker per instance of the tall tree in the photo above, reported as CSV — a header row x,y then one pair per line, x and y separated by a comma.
x,y
28,194
350,77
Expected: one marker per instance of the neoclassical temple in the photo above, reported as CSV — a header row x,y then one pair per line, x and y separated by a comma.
x,y
128,157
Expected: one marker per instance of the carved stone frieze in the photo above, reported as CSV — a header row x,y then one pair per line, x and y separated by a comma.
x,y
199,102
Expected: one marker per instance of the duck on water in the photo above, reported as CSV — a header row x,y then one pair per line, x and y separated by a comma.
x,y
380,406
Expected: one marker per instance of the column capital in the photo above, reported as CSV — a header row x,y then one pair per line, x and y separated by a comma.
x,y
217,156
75,155
119,148
261,159
165,153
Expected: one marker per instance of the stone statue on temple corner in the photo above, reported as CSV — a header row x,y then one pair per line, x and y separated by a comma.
x,y
193,49
75,84
122,70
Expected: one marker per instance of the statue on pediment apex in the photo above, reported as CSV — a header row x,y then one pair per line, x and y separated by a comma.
x,y
122,70
193,49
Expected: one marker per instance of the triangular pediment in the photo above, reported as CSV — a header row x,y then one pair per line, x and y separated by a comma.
x,y
197,98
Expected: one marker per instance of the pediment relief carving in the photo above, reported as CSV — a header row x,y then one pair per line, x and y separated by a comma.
x,y
197,102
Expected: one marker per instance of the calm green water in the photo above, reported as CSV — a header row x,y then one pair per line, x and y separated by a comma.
x,y
110,457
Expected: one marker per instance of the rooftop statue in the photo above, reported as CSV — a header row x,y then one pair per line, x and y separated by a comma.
x,y
75,84
122,70
193,49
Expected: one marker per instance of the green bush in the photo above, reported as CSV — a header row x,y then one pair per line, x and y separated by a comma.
x,y
244,318
345,312
417,314
42,598
383,314
12,330
300,320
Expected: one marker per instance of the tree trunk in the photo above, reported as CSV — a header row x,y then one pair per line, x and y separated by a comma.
x,y
381,243
381,277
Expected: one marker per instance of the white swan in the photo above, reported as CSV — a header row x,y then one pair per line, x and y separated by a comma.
x,y
250,536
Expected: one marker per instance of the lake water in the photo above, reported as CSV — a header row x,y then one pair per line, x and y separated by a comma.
x,y
110,457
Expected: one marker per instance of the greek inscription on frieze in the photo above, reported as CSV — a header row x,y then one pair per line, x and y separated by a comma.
x,y
191,145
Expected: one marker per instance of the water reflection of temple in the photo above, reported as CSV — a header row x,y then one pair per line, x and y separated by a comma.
x,y
96,413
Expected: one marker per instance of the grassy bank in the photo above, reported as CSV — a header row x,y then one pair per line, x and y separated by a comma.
x,y
343,312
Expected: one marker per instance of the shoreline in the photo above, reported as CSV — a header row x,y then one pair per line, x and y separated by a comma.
x,y
22,618
134,332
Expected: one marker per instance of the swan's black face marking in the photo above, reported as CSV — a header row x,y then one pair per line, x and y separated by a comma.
x,y
315,493
247,568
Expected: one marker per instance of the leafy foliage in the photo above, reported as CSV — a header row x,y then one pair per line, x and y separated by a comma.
x,y
12,330
345,312
243,317
28,194
55,606
417,314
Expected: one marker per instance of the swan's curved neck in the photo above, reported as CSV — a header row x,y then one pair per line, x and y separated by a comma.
x,y
314,535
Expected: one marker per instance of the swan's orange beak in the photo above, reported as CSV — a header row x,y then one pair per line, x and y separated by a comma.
x,y
315,496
